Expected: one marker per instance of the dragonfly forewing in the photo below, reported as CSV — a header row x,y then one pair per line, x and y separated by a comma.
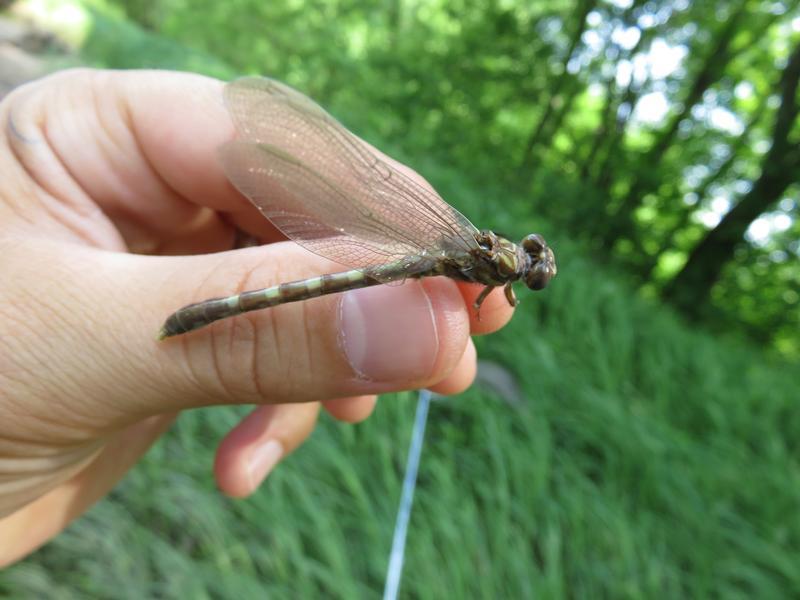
x,y
326,189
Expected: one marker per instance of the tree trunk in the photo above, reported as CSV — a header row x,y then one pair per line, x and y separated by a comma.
x,y
609,140
686,212
612,98
614,54
606,123
535,137
394,22
715,62
690,288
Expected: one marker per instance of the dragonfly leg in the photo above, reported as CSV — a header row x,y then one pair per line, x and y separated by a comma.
x,y
512,299
481,297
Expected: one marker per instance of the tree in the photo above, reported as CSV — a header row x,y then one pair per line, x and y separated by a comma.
x,y
538,132
646,179
690,288
682,217
612,121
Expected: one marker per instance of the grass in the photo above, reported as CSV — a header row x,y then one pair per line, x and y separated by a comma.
x,y
647,460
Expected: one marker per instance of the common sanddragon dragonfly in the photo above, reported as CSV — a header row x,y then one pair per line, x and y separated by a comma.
x,y
325,189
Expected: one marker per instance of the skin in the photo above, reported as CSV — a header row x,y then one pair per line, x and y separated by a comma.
x,y
113,213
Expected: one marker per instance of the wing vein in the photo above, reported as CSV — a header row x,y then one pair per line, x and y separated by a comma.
x,y
326,189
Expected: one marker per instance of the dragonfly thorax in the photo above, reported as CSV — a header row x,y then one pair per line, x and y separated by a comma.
x,y
502,261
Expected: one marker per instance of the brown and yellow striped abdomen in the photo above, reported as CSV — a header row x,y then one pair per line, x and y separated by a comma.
x,y
200,314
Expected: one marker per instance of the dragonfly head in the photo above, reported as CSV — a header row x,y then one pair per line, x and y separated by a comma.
x,y
542,266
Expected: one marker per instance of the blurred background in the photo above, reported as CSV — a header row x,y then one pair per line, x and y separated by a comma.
x,y
635,431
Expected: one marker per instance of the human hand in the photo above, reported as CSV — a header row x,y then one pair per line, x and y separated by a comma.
x,y
114,212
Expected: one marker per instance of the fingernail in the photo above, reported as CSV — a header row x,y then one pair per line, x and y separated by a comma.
x,y
262,461
388,333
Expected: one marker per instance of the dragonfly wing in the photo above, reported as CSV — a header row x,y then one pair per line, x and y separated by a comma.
x,y
288,193
326,189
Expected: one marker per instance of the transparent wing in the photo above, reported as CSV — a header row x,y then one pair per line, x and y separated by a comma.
x,y
326,189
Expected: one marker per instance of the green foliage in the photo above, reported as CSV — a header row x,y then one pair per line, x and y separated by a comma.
x,y
646,460
115,43
759,286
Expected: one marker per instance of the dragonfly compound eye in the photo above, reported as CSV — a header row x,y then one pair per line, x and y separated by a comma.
x,y
537,279
533,244
543,263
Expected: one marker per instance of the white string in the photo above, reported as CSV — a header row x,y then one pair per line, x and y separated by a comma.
x,y
404,512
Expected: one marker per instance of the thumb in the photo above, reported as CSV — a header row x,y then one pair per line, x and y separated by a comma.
x,y
92,329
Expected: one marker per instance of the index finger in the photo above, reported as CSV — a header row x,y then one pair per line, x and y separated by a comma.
x,y
140,145
180,121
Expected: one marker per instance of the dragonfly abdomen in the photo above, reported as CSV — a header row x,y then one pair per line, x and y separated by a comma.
x,y
200,314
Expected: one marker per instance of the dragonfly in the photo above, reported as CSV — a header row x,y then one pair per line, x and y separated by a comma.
x,y
331,193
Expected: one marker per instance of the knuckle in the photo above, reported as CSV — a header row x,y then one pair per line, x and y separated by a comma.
x,y
256,357
286,353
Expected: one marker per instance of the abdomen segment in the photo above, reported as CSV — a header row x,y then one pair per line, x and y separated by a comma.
x,y
200,314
